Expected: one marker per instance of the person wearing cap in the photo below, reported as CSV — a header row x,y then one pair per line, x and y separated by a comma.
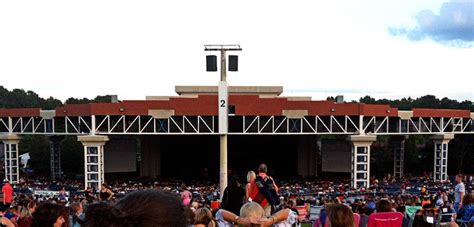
x,y
7,194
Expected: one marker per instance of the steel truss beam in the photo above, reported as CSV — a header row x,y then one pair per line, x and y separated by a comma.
x,y
274,125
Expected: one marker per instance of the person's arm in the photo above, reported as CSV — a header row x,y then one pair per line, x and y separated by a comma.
x,y
110,194
462,192
248,192
7,222
231,217
278,217
274,184
3,191
460,202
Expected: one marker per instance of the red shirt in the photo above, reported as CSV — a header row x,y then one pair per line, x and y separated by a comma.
x,y
7,193
256,196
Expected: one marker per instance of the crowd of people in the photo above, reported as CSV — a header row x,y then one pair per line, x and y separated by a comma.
x,y
262,201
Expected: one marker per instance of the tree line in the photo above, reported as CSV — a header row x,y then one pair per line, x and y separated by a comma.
x,y
19,98
427,101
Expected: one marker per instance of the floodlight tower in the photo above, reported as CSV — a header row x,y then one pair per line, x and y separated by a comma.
x,y
211,66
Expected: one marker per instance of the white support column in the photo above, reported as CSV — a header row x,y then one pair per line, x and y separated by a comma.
x,y
11,161
440,172
360,160
398,146
93,159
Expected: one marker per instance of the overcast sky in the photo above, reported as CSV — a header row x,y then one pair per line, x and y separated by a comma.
x,y
383,48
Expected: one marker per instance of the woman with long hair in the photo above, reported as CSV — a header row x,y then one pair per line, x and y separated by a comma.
x,y
105,194
234,196
26,214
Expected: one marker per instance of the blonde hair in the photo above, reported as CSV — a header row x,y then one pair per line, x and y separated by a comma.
x,y
203,216
250,174
252,209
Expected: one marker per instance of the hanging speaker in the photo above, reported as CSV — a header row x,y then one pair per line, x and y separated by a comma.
x,y
211,63
233,63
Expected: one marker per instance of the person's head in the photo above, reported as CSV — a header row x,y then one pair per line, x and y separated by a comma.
x,y
28,210
339,215
234,182
383,206
77,208
252,210
468,199
459,178
401,209
262,168
251,176
152,208
49,214
203,216
32,205
2,210
104,214
104,186
360,209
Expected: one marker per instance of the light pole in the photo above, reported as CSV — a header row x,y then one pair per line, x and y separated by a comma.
x,y
222,102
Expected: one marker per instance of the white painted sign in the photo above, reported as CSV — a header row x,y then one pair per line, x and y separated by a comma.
x,y
223,107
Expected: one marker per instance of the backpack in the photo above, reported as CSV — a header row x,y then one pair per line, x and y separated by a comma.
x,y
266,188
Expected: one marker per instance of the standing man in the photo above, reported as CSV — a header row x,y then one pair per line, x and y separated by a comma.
x,y
268,188
7,194
459,191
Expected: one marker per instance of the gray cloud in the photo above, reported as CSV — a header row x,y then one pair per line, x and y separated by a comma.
x,y
454,24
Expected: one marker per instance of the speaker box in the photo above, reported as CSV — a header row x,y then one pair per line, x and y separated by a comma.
x,y
233,63
211,63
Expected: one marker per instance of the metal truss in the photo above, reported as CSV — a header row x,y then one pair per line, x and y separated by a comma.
x,y
398,158
284,125
136,125
55,158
